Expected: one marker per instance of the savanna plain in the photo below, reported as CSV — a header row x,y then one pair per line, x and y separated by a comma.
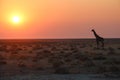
x,y
56,59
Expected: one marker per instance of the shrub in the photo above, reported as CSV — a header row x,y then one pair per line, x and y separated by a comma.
x,y
114,69
39,68
61,71
102,69
99,58
21,65
1,57
3,62
111,50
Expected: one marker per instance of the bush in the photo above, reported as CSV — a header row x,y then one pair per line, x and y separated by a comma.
x,y
114,69
3,62
1,57
39,68
61,71
119,48
111,50
102,69
99,58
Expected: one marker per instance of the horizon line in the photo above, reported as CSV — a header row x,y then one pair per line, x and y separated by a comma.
x,y
56,38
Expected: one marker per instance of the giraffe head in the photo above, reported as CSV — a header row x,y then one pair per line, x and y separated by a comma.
x,y
92,30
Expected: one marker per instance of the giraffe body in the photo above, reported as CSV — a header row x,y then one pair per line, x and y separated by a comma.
x,y
98,39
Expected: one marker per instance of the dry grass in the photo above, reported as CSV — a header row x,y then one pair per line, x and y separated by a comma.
x,y
59,57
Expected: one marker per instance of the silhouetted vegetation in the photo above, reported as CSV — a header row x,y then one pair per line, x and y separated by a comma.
x,y
59,57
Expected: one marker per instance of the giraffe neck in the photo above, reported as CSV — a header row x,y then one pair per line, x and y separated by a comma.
x,y
95,34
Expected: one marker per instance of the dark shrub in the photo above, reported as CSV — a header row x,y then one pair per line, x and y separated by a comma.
x,y
114,69
3,62
61,71
102,69
99,58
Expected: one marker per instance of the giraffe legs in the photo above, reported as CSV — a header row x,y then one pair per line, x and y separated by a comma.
x,y
97,43
102,44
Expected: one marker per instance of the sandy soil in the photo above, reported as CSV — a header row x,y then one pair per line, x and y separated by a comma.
x,y
80,56
61,77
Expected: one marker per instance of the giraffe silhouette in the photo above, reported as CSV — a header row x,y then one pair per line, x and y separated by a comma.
x,y
98,39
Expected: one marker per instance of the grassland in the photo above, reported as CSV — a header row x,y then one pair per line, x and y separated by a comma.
x,y
59,56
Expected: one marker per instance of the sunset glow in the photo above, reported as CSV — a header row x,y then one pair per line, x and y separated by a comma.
x,y
16,19
59,18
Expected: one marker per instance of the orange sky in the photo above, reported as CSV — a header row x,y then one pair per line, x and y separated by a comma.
x,y
60,18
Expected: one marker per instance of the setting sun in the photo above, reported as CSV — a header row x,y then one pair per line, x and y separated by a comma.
x,y
16,19
59,18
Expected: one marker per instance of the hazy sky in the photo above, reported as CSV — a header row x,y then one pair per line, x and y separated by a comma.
x,y
59,18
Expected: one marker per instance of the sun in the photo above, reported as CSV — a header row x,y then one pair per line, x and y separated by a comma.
x,y
16,19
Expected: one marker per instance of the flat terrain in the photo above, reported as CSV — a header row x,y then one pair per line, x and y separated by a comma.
x,y
78,57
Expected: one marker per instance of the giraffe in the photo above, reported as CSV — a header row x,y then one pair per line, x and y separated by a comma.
x,y
98,39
